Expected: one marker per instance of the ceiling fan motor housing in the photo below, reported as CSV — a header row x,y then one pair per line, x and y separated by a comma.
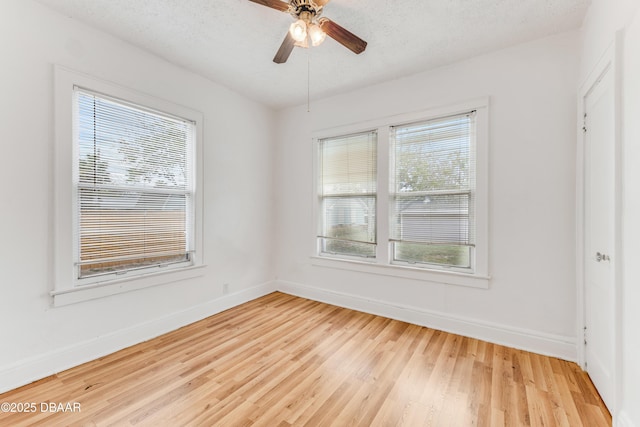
x,y
306,10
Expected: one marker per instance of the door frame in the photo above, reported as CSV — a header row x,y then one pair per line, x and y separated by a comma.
x,y
611,62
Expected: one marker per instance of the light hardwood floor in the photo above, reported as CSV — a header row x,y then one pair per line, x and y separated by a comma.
x,y
286,361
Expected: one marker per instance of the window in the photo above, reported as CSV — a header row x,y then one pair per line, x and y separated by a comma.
x,y
432,191
347,193
408,198
134,187
128,189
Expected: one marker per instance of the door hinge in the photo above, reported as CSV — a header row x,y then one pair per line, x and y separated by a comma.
x,y
585,335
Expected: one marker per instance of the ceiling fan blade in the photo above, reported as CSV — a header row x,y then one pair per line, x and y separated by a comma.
x,y
321,3
342,36
285,50
274,4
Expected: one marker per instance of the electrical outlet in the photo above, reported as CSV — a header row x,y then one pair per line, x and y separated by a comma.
x,y
225,288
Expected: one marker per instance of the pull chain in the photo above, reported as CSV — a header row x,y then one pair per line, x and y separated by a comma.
x,y
309,80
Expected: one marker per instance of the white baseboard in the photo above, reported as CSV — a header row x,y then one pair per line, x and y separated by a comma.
x,y
623,420
547,344
44,365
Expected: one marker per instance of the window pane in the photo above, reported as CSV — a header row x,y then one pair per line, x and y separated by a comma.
x,y
343,247
433,156
130,230
350,225
348,164
127,146
446,255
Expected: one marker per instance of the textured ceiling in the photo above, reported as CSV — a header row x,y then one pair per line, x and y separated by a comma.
x,y
233,42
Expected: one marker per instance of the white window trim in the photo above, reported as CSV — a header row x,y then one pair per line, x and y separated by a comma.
x,y
67,288
479,277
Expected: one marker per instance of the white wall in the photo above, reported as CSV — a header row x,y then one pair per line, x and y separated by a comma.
x,y
37,339
603,19
531,300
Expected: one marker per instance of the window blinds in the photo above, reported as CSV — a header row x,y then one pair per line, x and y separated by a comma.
x,y
432,206
134,186
347,190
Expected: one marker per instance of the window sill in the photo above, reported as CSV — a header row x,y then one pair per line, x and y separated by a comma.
x,y
415,273
118,286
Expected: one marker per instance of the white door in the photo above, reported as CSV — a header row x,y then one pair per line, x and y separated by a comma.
x,y
599,234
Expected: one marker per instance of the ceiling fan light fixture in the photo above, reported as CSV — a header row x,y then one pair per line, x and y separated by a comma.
x,y
316,35
298,30
303,44
310,29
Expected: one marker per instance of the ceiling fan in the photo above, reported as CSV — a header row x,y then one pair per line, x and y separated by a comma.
x,y
309,26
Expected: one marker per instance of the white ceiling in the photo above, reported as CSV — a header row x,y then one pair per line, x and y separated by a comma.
x,y
233,42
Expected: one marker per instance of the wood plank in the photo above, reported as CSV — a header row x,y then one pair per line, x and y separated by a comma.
x,y
284,361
